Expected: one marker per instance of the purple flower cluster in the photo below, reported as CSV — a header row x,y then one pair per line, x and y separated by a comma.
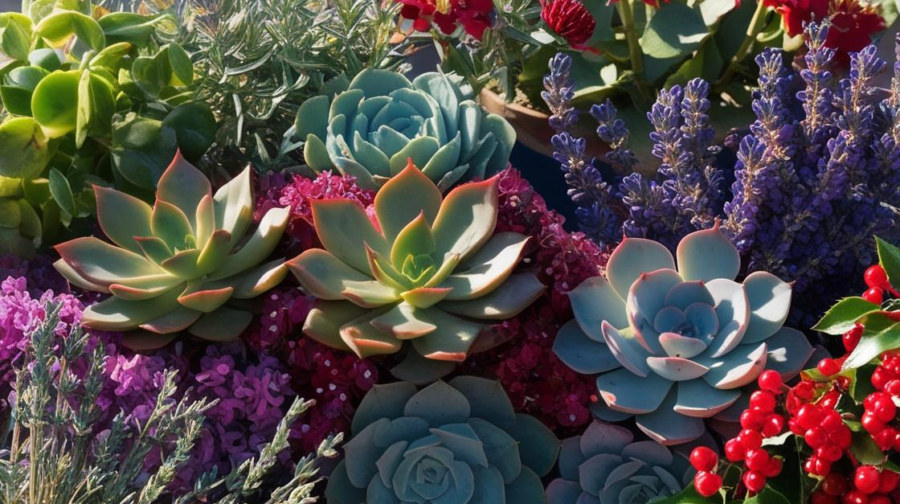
x,y
817,175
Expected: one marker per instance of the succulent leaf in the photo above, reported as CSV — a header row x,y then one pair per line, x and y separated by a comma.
x,y
173,267
345,230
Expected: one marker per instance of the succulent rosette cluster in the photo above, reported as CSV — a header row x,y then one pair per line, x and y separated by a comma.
x,y
176,265
606,466
458,442
675,345
424,268
382,120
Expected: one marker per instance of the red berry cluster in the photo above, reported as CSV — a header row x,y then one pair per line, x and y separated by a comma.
x,y
877,281
758,422
868,486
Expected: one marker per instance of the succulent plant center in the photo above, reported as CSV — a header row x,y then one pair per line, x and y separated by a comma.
x,y
418,269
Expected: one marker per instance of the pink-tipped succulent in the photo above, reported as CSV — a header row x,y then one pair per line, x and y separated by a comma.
x,y
449,443
674,346
429,269
176,265
606,466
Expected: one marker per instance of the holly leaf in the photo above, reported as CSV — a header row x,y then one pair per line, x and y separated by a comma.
x,y
768,496
881,335
843,316
889,258
865,450
861,384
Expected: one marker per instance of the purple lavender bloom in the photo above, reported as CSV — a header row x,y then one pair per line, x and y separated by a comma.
x,y
559,90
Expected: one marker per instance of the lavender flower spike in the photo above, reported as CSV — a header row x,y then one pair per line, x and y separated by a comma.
x,y
559,90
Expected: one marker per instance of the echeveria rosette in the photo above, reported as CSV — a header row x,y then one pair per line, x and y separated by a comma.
x,y
458,442
605,466
382,120
175,265
429,269
674,346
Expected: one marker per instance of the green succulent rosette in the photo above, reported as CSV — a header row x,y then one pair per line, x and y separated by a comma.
x,y
606,466
675,345
458,442
425,268
176,265
382,120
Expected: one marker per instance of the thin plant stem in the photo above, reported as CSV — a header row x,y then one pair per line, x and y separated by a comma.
x,y
757,22
626,12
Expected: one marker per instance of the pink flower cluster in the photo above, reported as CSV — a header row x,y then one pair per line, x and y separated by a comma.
x,y
535,379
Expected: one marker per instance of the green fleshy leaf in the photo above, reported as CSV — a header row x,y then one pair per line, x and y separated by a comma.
x,y
538,446
128,27
62,192
141,149
184,186
224,324
416,239
842,317
103,263
171,224
345,229
54,103
403,198
114,314
180,63
467,218
312,117
674,31
506,301
15,38
57,28
233,205
325,320
326,277
195,128
26,151
488,268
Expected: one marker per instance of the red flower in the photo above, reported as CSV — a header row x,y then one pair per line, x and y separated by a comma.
x,y
473,15
852,23
570,19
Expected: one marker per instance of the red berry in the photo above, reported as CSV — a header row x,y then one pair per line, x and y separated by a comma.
x,y
871,423
821,497
828,367
707,484
815,465
866,479
833,423
772,426
834,484
734,450
881,377
886,438
772,468
809,416
893,387
754,481
750,439
885,410
855,497
874,295
804,390
851,338
815,437
875,276
770,380
756,459
751,419
830,452
762,401
879,499
704,459
888,481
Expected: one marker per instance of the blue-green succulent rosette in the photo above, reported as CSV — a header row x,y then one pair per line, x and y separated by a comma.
x,y
675,345
456,442
606,466
383,120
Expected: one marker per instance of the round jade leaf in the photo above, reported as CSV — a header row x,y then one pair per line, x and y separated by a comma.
x,y
195,128
54,103
25,148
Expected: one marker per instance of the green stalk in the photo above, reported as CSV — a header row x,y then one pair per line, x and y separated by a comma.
x,y
626,13
757,23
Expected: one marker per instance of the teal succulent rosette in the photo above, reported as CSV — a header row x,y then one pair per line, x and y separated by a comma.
x,y
606,466
383,120
456,442
675,345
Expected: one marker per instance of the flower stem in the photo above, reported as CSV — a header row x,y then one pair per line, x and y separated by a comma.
x,y
626,13
757,22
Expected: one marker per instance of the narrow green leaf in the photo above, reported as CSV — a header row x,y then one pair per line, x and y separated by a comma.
x,y
881,334
889,258
865,450
181,65
861,384
841,317
62,192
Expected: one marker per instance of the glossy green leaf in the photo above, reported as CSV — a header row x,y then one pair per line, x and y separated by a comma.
x,y
54,103
674,31
882,334
889,258
44,58
15,40
62,192
152,74
111,56
57,29
195,128
96,106
841,317
141,149
26,151
18,87
128,27
180,63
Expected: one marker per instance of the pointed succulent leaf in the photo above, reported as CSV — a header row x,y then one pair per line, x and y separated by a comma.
x,y
224,324
706,255
385,272
173,322
345,231
505,135
75,278
737,368
183,264
416,239
676,368
205,219
183,186
527,488
626,349
488,268
104,264
634,257
404,321
151,289
259,280
141,340
506,301
487,399
403,199
467,218
168,222
439,404
325,320
417,369
603,438
444,160
788,352
326,277
312,117
501,448
595,301
258,247
425,297
233,204
538,446
584,355
153,248
122,217
733,311
316,154
451,340
365,340
629,393
667,427
696,398
114,314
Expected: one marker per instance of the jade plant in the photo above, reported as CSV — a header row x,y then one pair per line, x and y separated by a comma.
x,y
176,265
426,268
90,99
675,345
382,120
606,466
449,443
